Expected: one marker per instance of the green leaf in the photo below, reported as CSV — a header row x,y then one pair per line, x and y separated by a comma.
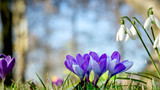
x,y
32,85
137,74
41,82
66,80
132,79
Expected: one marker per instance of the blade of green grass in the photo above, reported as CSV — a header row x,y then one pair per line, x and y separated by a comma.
x,y
51,83
32,85
15,85
147,73
41,81
132,79
66,80
140,75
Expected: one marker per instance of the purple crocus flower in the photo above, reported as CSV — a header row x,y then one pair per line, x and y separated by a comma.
x,y
80,66
6,65
115,66
57,81
98,65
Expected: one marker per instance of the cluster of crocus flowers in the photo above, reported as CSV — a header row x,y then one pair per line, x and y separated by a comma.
x,y
57,81
6,65
82,65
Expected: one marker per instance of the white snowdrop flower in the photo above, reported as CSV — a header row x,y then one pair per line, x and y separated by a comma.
x,y
151,19
134,33
122,32
157,42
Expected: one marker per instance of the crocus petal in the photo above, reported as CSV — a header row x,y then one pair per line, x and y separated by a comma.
x,y
108,62
78,71
103,56
116,55
69,57
102,65
3,67
68,64
112,65
95,67
10,65
118,68
157,22
87,58
8,59
156,42
127,64
94,56
148,23
79,59
84,66
2,56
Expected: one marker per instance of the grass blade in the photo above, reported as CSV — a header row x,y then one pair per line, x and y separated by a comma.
x,y
41,82
147,73
132,79
32,85
139,75
51,83
66,80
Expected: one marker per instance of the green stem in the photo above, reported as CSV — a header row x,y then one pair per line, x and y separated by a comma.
x,y
156,49
153,33
143,29
143,45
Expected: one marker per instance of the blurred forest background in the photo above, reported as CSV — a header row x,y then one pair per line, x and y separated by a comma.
x,y
40,33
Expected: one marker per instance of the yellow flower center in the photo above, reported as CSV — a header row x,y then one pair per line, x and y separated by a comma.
x,y
54,78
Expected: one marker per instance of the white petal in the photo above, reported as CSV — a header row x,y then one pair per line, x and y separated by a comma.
x,y
152,17
157,22
117,37
121,33
130,34
127,37
156,42
148,23
133,30
78,71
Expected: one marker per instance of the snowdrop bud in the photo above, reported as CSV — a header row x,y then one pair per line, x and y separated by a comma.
x,y
122,22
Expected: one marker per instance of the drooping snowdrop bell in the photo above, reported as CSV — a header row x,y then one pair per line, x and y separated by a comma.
x,y
122,32
151,20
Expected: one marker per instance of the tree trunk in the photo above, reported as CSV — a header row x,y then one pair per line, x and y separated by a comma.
x,y
20,37
6,17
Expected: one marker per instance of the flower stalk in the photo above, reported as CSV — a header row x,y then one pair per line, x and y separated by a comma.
x,y
143,45
156,49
